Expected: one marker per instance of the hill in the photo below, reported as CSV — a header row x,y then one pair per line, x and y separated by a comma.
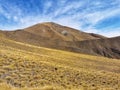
x,y
109,47
48,34
52,35
28,66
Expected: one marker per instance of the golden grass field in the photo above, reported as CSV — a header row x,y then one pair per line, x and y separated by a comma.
x,y
28,67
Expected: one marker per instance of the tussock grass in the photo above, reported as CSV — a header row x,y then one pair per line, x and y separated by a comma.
x,y
28,67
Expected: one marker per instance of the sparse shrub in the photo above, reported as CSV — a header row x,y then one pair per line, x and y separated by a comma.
x,y
65,33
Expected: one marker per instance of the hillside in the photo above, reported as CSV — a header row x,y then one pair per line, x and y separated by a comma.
x,y
49,35
28,66
109,47
52,35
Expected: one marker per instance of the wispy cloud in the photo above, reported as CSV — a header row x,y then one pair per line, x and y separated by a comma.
x,y
111,32
80,14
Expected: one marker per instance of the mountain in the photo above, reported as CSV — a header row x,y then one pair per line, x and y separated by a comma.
x,y
52,35
50,31
48,35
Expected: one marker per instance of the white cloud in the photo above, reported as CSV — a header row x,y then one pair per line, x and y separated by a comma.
x,y
105,32
3,12
111,32
71,7
96,17
15,18
47,5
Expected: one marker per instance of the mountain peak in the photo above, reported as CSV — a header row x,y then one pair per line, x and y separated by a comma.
x,y
48,23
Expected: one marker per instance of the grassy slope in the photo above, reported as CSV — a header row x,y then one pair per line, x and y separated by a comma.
x,y
23,65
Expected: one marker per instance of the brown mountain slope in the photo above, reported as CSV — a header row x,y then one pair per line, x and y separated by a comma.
x,y
49,35
58,32
97,35
109,47
61,37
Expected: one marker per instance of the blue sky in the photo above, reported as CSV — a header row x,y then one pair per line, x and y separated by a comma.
x,y
94,16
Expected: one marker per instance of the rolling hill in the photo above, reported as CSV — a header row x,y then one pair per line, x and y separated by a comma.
x,y
52,35
29,67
